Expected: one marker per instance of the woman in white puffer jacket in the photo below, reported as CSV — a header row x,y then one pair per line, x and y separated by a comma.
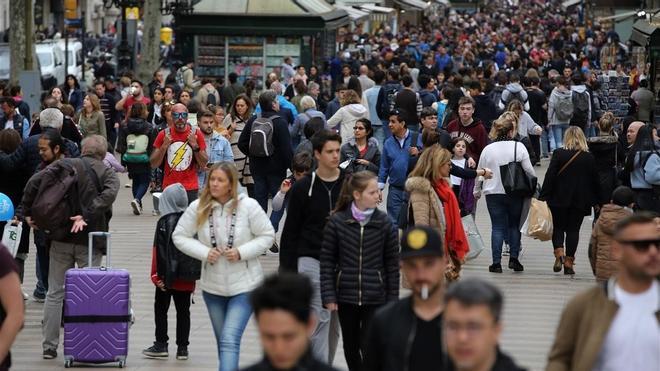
x,y
229,255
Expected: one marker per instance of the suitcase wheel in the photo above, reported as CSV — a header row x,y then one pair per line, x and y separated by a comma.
x,y
122,363
68,363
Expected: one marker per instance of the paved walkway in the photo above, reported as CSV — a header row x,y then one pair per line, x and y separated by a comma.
x,y
534,300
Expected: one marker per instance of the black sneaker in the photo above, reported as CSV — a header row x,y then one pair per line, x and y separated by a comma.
x,y
156,351
38,296
50,353
515,265
137,209
495,268
182,353
274,250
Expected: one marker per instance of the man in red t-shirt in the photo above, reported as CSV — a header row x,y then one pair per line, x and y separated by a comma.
x,y
135,95
184,150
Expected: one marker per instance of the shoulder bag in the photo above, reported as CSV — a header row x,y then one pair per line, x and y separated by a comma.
x,y
515,180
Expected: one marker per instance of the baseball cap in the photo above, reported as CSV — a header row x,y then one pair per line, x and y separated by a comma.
x,y
421,241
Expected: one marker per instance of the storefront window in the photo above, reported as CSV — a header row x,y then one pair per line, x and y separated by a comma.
x,y
246,58
279,47
210,60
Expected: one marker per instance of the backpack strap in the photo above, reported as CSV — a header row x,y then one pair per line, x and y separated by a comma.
x,y
92,174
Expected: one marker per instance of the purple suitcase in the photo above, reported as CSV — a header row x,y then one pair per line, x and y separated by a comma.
x,y
97,312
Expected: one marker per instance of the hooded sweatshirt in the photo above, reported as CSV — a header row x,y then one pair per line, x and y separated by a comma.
x,y
172,203
557,94
581,89
475,135
514,91
346,117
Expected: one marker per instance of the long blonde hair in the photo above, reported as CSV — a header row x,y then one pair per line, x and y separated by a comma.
x,y
574,139
428,165
206,199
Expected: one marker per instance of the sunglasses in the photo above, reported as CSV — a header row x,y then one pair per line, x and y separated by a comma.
x,y
358,128
641,245
179,115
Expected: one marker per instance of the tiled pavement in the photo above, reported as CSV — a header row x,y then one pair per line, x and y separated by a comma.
x,y
534,300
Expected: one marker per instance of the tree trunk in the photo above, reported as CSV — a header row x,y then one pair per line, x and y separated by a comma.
x,y
17,39
150,51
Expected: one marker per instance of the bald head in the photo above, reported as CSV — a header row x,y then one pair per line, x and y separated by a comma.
x,y
631,134
180,116
364,70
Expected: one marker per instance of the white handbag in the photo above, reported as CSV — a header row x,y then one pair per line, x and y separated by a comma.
x,y
11,237
475,241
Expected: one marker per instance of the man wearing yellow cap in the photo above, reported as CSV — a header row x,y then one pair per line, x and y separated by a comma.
x,y
406,335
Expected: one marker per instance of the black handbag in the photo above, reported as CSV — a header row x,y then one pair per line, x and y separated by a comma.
x,y
515,180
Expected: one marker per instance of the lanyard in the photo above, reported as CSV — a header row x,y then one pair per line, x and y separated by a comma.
x,y
230,240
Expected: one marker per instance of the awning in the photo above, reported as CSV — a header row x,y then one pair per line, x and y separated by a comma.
x,y
314,6
376,8
569,3
356,15
414,4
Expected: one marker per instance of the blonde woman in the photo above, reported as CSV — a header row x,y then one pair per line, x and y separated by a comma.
x,y
571,189
90,118
227,231
434,204
504,209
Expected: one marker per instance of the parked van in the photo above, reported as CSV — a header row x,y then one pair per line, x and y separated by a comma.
x,y
75,57
5,59
51,59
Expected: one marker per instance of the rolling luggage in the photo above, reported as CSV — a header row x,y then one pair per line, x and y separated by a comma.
x,y
97,312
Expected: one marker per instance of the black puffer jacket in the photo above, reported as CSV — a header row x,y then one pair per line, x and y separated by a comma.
x,y
359,265
607,152
172,264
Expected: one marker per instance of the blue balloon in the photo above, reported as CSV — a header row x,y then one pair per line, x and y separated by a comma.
x,y
6,208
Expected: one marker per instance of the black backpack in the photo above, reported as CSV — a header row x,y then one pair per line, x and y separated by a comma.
x,y
581,106
210,99
387,104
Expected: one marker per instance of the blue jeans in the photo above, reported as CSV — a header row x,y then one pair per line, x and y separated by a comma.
x,y
396,196
504,211
43,262
229,317
558,135
544,143
140,185
264,186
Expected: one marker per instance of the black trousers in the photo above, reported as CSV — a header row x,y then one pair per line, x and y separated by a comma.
x,y
354,321
182,305
566,228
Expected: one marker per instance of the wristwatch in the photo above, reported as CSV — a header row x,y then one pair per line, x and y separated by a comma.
x,y
196,149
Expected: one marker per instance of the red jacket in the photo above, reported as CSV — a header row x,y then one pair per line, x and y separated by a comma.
x,y
178,285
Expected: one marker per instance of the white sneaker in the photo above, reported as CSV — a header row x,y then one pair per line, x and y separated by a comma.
x,y
506,251
137,209
127,185
25,295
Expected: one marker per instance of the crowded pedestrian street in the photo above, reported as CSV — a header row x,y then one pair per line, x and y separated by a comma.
x,y
534,300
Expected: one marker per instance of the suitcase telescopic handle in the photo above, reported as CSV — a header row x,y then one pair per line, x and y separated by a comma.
x,y
91,235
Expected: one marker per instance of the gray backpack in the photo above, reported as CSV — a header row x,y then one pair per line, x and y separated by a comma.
x,y
261,137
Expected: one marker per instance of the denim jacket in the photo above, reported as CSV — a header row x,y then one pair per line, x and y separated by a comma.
x,y
219,150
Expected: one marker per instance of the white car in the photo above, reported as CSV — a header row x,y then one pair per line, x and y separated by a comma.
x,y
51,59
75,57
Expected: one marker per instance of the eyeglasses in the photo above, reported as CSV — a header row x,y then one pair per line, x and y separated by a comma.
x,y
641,245
179,115
358,128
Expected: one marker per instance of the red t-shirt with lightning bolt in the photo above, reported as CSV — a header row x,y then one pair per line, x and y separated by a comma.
x,y
180,165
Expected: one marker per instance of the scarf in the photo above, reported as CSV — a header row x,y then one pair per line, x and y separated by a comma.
x,y
360,215
454,233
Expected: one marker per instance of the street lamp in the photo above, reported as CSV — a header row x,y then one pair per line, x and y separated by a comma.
x,y
125,58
